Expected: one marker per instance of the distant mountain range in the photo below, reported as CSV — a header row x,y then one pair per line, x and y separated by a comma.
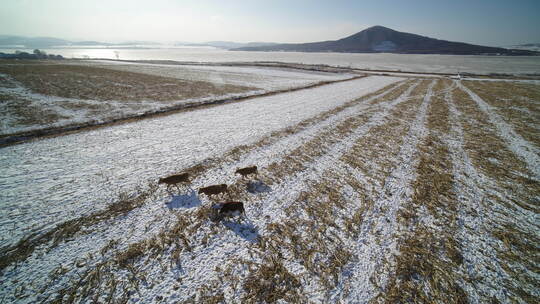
x,y
16,41
528,46
376,39
379,39
47,42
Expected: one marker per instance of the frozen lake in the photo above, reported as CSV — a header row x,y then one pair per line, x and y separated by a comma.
x,y
403,62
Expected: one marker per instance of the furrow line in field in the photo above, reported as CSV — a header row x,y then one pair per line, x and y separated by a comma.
x,y
471,215
285,140
514,104
497,226
428,259
374,154
267,208
522,148
262,156
135,225
272,207
377,239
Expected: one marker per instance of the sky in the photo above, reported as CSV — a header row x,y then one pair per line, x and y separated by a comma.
x,y
485,22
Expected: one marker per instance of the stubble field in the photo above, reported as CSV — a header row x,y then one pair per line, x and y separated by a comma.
x,y
414,190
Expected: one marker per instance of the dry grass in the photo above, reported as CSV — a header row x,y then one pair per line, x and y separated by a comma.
x,y
490,155
269,282
68,229
124,204
297,160
520,249
429,256
97,281
385,139
234,154
99,95
519,106
314,148
519,192
86,82
321,223
24,112
313,231
313,235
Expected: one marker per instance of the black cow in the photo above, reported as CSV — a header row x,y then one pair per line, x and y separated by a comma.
x,y
247,171
214,189
174,180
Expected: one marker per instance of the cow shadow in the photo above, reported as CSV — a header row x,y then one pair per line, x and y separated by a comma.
x,y
185,201
245,230
258,186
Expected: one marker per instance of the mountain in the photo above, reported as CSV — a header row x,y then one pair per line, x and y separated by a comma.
x,y
527,46
379,39
47,42
31,42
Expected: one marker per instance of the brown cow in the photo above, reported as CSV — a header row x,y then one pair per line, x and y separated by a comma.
x,y
174,180
229,208
247,171
214,189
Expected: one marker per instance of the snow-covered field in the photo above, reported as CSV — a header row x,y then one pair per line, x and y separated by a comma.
x,y
265,78
20,103
76,174
377,189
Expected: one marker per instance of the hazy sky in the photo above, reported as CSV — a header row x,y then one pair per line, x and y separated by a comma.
x,y
486,22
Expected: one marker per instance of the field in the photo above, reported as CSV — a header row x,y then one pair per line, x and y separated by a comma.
x,y
377,189
43,95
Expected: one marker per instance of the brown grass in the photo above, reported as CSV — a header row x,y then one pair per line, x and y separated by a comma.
x,y
490,155
270,282
23,112
97,281
517,191
25,247
429,257
86,82
312,234
385,139
316,147
321,247
519,106
317,246
323,213
123,205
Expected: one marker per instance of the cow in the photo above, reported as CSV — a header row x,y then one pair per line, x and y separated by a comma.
x,y
174,180
247,171
231,208
214,189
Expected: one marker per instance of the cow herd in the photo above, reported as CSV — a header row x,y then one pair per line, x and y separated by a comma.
x,y
225,209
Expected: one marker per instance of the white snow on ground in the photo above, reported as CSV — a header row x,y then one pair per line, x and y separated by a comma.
x,y
382,218
522,148
266,78
76,174
466,173
478,216
75,111
149,219
198,270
